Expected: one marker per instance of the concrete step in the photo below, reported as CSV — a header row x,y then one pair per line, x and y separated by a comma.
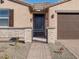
x,y
39,39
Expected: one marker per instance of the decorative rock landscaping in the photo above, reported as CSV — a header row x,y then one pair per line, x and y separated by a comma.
x,y
36,50
19,51
58,51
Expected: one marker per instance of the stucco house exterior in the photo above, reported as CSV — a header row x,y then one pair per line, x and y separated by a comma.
x,y
51,22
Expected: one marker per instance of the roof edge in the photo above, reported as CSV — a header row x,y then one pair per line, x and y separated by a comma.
x,y
59,3
21,2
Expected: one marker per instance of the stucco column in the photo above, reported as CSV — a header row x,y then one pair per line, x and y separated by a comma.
x,y
28,35
52,29
52,35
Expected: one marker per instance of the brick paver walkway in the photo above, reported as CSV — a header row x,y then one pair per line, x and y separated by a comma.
x,y
39,51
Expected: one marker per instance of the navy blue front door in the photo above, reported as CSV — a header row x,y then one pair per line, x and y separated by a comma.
x,y
39,25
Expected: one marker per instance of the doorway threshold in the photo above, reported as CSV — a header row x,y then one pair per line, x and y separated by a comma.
x,y
39,39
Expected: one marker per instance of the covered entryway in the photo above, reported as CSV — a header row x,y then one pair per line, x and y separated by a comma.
x,y
68,26
39,27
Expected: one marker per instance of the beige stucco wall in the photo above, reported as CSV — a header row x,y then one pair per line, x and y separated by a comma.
x,y
22,22
70,5
22,13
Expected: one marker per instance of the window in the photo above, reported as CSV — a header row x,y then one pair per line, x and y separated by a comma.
x,y
6,17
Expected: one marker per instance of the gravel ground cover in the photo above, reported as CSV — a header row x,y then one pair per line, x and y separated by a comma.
x,y
59,51
11,51
21,50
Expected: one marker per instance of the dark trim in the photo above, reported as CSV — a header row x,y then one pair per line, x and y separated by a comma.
x,y
67,11
59,3
11,18
46,35
21,2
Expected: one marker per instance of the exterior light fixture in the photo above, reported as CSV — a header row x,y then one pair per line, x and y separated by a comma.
x,y
52,16
31,20
1,1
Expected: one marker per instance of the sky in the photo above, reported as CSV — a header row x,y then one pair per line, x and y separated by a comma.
x,y
41,1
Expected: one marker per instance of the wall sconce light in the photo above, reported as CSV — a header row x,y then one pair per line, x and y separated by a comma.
x,y
31,20
52,16
1,1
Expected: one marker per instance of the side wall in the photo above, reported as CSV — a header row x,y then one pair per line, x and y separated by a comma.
x,y
22,13
22,18
67,6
